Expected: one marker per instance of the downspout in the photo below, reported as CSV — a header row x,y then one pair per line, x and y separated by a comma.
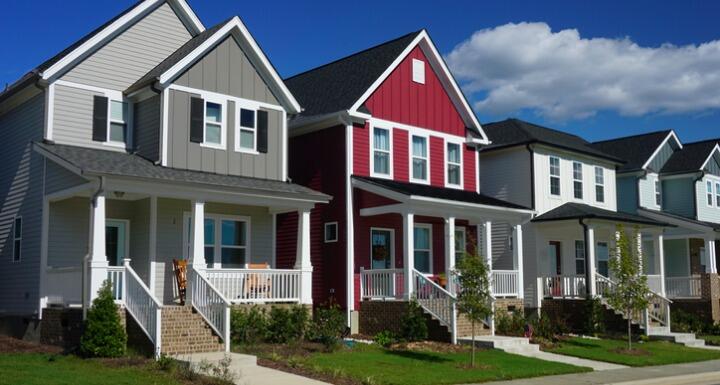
x,y
532,175
695,202
93,201
587,253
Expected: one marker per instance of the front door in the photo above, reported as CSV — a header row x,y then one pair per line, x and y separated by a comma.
x,y
555,258
116,241
381,248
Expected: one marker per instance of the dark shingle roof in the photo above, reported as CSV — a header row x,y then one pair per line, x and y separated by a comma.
x,y
515,132
439,192
175,57
690,159
114,163
574,211
714,226
336,86
635,150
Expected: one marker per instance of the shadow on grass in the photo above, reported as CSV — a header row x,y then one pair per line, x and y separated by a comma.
x,y
420,356
581,344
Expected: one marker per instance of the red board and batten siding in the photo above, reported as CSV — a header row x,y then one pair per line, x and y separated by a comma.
x,y
400,155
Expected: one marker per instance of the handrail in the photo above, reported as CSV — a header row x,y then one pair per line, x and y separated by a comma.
x,y
211,305
505,282
143,306
256,285
658,305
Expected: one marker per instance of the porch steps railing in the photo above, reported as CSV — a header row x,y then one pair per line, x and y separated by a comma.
x,y
115,276
256,285
381,284
141,304
437,301
683,287
658,309
211,305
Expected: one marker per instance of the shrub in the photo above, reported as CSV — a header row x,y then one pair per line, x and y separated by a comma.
x,y
543,327
510,324
594,322
328,326
248,325
385,338
287,324
685,322
104,335
414,326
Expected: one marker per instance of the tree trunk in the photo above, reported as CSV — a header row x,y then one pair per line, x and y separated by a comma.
x,y
629,321
472,355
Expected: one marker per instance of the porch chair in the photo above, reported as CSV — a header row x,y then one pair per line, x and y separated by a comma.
x,y
257,285
180,270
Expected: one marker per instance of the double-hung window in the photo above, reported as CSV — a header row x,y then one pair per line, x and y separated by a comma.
x,y
658,193
331,232
577,180
423,248
214,125
246,136
118,123
717,194
599,184
381,152
17,239
460,244
602,253
233,242
709,192
453,172
419,152
580,257
554,175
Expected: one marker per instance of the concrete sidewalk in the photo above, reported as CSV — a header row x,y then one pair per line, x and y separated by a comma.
x,y
706,372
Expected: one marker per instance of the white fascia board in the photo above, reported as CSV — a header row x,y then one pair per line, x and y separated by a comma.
x,y
235,25
187,13
61,162
715,150
657,150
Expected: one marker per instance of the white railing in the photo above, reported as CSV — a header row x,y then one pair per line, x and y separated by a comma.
x,y
256,285
211,305
683,287
381,283
563,287
437,301
142,306
603,285
658,308
654,282
115,276
505,283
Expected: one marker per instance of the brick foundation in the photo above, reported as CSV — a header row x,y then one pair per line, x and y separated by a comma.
x,y
510,305
571,314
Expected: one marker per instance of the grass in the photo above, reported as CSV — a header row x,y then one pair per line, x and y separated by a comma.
x,y
710,339
648,353
372,364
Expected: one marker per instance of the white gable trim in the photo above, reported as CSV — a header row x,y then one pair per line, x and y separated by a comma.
x,y
119,25
657,150
236,27
448,81
715,150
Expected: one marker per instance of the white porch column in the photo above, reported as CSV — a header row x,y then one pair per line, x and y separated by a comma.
x,y
302,259
710,266
98,262
152,244
487,243
197,254
450,252
518,255
660,240
592,266
409,255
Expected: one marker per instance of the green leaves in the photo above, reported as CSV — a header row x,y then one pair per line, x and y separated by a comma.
x,y
104,335
474,299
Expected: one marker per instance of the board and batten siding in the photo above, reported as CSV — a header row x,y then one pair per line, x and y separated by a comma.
x,y
132,53
646,186
497,182
146,128
705,212
185,154
678,196
21,181
657,162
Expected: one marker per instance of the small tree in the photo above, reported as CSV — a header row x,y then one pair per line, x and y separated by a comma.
x,y
474,299
104,335
630,293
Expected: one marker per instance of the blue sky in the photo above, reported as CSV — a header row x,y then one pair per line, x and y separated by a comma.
x,y
300,35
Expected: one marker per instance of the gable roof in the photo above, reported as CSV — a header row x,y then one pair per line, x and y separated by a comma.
x,y
575,211
636,150
98,36
691,158
516,132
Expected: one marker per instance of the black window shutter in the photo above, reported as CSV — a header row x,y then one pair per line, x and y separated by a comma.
x,y
100,118
262,131
197,120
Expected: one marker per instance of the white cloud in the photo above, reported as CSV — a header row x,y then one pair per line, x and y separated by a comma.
x,y
561,75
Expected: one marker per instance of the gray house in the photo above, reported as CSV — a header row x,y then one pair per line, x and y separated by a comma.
x,y
149,140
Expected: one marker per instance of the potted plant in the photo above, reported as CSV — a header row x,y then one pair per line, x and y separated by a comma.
x,y
442,280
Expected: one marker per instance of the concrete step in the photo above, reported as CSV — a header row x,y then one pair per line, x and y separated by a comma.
x,y
497,342
687,339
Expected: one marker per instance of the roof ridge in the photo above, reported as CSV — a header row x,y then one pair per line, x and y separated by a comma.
x,y
549,129
668,131
717,140
352,54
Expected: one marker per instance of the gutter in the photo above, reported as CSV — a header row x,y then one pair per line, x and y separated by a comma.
x,y
532,175
587,253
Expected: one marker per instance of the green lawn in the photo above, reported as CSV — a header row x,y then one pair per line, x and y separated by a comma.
x,y
655,352
371,364
45,369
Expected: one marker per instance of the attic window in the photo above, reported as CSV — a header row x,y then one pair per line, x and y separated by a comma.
x,y
418,67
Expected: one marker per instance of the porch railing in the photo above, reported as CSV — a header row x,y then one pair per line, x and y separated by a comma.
x,y
142,305
683,287
256,285
562,287
211,305
115,275
437,301
654,282
658,309
505,283
381,283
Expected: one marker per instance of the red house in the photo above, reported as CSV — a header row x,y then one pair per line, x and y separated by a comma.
x,y
388,133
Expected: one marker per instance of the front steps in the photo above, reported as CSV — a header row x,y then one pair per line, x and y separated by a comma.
x,y
439,332
514,345
184,331
664,333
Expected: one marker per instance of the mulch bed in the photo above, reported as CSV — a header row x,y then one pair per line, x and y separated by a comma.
x,y
283,366
14,345
431,346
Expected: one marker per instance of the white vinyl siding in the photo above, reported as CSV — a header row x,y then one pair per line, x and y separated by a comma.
x,y
708,192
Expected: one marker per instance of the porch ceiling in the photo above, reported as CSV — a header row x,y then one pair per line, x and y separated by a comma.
x,y
576,211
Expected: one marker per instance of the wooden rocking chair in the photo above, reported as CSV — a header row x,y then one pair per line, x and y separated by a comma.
x,y
258,285
180,270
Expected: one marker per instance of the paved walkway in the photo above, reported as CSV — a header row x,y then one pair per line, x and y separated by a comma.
x,y
595,365
706,372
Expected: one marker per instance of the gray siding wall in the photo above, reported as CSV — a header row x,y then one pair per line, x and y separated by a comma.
x,y
657,163
678,196
58,178
627,193
21,180
713,167
707,212
130,55
496,181
502,250
147,128
187,155
227,70
73,118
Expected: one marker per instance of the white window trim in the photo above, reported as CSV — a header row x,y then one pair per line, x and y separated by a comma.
x,y
372,152
418,71
463,230
657,186
15,239
239,105
595,174
430,238
709,193
582,184
551,176
447,163
127,122
337,228
217,247
411,157
392,244
223,122
717,193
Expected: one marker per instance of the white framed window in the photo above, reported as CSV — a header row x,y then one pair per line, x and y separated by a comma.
x,y
658,193
419,170
460,244
17,239
453,165
227,240
577,180
717,194
381,158
709,192
599,184
580,257
382,248
602,253
246,130
117,132
331,232
418,71
214,126
422,239
554,176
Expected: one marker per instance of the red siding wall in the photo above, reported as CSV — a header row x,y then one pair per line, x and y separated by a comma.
x,y
469,170
361,149
400,155
437,161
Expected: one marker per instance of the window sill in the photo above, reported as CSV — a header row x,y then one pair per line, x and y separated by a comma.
x,y
419,181
246,151
453,186
121,145
213,146
381,176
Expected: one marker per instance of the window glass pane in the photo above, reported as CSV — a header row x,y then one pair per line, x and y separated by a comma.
x,y
599,175
419,147
577,170
247,139
554,185
422,261
454,174
118,110
213,112
232,257
717,194
209,231
381,139
117,132
331,232
422,238
554,166
603,255
18,227
233,233
419,168
453,152
460,245
247,118
579,257
382,162
578,190
600,193
209,255
213,133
